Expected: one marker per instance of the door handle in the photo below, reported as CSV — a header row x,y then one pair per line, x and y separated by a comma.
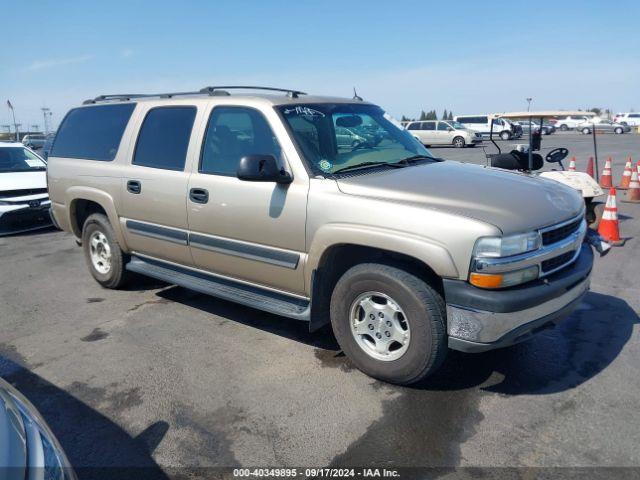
x,y
134,186
198,195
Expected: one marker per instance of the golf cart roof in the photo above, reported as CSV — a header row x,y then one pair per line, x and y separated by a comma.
x,y
544,114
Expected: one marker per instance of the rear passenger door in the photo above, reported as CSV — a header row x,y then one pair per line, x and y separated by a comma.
x,y
251,231
154,184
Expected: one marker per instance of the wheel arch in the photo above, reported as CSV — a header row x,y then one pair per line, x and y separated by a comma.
x,y
83,202
327,262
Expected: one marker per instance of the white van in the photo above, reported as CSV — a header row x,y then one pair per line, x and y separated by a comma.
x,y
482,124
443,132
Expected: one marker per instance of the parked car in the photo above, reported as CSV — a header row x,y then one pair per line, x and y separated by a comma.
x,y
34,141
570,122
404,254
631,118
347,138
24,202
605,126
482,124
444,132
28,448
46,148
524,125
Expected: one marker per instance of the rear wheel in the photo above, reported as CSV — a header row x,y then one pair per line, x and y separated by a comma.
x,y
619,131
564,128
103,254
390,323
586,131
458,142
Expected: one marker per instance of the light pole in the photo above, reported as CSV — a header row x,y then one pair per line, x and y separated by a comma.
x,y
46,113
528,99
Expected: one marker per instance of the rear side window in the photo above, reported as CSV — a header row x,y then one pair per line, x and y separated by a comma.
x,y
92,133
428,125
164,138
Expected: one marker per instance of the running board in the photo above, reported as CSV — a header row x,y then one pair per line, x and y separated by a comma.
x,y
249,295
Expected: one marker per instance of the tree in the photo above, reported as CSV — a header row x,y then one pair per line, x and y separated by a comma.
x,y
423,116
596,110
404,119
445,115
450,115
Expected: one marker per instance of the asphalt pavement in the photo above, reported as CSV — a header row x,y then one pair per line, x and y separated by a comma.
x,y
161,377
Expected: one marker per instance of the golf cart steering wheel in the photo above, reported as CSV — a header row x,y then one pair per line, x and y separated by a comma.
x,y
557,155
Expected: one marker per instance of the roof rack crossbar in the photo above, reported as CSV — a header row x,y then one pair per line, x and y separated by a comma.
x,y
213,90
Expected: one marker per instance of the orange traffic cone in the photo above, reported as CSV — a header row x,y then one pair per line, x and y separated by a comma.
x,y
609,228
572,164
590,167
633,194
605,179
626,175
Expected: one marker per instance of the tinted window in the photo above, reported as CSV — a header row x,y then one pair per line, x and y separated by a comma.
x,y
428,125
234,132
413,126
634,115
164,138
442,126
93,133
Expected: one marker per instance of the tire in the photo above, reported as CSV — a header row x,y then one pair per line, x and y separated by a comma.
x,y
505,135
458,142
564,128
586,131
98,236
423,311
619,131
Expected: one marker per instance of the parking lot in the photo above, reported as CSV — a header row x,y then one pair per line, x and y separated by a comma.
x,y
160,377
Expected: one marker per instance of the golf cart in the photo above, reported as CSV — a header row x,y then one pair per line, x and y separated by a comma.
x,y
524,157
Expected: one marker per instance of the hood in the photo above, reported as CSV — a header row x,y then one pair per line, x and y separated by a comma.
x,y
511,201
22,180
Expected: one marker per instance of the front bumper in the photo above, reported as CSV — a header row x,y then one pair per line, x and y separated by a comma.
x,y
23,218
480,320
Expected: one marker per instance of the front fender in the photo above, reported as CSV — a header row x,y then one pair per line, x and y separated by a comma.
x,y
430,253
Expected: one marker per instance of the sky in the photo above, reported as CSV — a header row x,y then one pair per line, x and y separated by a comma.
x,y
406,56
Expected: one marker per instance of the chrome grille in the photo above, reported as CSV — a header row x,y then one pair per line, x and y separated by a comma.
x,y
557,234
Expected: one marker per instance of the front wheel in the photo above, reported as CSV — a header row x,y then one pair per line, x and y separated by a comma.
x,y
102,252
390,323
458,142
505,135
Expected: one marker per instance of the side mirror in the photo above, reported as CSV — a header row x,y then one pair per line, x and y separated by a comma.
x,y
449,129
262,168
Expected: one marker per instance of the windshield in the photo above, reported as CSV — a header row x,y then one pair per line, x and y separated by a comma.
x,y
18,159
333,136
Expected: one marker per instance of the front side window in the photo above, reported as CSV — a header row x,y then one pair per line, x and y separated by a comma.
x,y
232,133
443,126
19,159
164,138
92,133
332,136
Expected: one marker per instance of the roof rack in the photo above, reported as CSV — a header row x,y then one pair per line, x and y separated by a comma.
x,y
212,90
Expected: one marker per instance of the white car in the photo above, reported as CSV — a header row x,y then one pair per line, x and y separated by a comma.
x,y
24,201
572,121
631,118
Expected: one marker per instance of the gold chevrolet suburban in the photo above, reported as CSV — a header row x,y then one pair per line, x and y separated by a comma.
x,y
322,210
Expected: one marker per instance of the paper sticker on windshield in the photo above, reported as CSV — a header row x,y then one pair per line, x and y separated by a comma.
x,y
34,163
304,111
325,165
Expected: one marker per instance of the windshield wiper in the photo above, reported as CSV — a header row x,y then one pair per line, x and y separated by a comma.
x,y
358,166
415,158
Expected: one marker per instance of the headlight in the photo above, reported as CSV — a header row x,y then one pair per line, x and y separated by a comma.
x,y
493,247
